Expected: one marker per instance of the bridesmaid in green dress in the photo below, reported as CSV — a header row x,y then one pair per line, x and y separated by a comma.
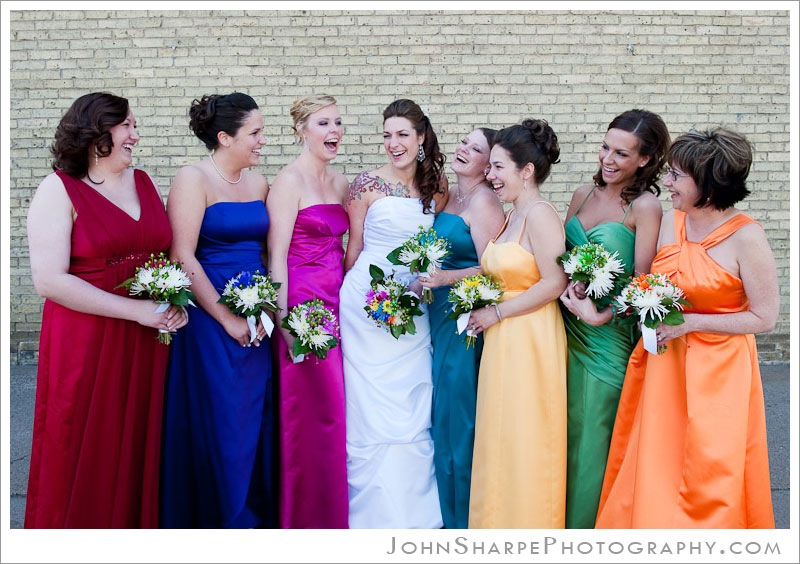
x,y
472,216
620,210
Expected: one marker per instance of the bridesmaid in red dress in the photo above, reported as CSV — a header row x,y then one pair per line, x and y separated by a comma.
x,y
306,257
100,382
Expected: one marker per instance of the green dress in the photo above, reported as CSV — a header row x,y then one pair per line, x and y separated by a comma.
x,y
455,382
596,361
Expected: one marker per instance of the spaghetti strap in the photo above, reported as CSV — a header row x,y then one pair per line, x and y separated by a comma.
x,y
522,229
580,207
503,228
630,204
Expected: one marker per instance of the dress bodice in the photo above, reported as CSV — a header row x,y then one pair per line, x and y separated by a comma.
x,y
708,287
462,249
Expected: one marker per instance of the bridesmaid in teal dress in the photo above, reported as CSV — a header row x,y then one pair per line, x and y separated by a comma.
x,y
473,215
620,210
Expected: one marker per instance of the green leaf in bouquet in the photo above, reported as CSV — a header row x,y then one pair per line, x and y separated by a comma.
x,y
376,272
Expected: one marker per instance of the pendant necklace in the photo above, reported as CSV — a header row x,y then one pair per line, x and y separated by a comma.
x,y
461,197
222,176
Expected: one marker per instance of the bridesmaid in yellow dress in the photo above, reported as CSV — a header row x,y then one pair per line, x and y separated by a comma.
x,y
519,464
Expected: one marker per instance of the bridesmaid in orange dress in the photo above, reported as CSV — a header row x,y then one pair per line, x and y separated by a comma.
x,y
689,448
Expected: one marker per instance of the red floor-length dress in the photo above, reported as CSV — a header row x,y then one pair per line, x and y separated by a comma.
x,y
100,382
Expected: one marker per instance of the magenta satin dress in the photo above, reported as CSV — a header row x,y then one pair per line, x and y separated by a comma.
x,y
313,456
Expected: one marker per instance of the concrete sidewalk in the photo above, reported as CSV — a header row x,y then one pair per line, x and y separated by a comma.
x,y
776,397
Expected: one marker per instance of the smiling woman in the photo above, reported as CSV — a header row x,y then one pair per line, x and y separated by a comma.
x,y
218,443
306,258
388,381
97,423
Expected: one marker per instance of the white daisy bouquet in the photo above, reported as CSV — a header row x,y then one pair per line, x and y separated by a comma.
x,y
314,327
469,293
251,295
423,252
655,299
390,305
163,281
601,271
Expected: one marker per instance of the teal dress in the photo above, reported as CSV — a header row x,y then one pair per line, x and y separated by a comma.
x,y
596,361
455,382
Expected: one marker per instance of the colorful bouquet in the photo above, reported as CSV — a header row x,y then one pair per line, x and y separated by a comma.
x,y
163,281
602,271
655,299
423,252
251,295
314,327
390,305
469,293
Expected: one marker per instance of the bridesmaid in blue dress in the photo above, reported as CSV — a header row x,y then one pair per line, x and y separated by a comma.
x,y
217,469
472,216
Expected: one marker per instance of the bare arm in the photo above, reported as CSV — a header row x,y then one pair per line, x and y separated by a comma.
x,y
647,213
485,217
50,221
186,205
357,205
546,233
760,280
283,204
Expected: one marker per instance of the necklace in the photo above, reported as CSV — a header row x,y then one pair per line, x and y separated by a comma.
x,y
461,197
222,176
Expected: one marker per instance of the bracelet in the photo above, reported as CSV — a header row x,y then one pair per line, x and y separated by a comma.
x,y
497,311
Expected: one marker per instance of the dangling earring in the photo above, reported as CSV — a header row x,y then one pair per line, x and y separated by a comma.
x,y
421,153
96,159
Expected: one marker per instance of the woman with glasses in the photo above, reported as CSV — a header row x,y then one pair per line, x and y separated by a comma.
x,y
689,448
620,210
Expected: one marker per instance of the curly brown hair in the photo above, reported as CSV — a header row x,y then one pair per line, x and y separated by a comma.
x,y
428,177
85,125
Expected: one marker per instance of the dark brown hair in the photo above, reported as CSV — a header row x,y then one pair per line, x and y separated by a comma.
x,y
428,177
86,124
653,137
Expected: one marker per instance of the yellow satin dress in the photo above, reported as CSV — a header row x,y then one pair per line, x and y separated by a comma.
x,y
520,456
689,448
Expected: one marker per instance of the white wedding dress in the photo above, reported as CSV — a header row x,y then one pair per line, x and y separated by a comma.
x,y
388,388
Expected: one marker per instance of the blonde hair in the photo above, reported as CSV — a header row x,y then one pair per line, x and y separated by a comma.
x,y
304,107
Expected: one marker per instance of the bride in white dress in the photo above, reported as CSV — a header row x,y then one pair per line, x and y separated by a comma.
x,y
388,385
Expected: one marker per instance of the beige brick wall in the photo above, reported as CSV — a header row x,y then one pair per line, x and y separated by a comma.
x,y
577,69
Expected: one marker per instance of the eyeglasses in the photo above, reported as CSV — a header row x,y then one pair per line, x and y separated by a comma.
x,y
675,174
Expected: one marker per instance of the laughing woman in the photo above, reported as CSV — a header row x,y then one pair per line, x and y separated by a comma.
x,y
473,214
519,465
306,258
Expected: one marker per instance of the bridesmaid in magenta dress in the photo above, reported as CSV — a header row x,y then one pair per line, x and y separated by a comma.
x,y
100,382
306,257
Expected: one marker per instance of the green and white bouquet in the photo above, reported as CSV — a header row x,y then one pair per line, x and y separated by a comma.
x,y
601,271
423,252
163,281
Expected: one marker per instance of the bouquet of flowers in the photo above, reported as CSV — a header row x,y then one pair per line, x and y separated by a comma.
x,y
163,281
600,270
251,295
314,327
655,299
469,293
423,252
390,305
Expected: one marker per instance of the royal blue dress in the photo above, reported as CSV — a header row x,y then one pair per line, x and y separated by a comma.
x,y
455,382
217,457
